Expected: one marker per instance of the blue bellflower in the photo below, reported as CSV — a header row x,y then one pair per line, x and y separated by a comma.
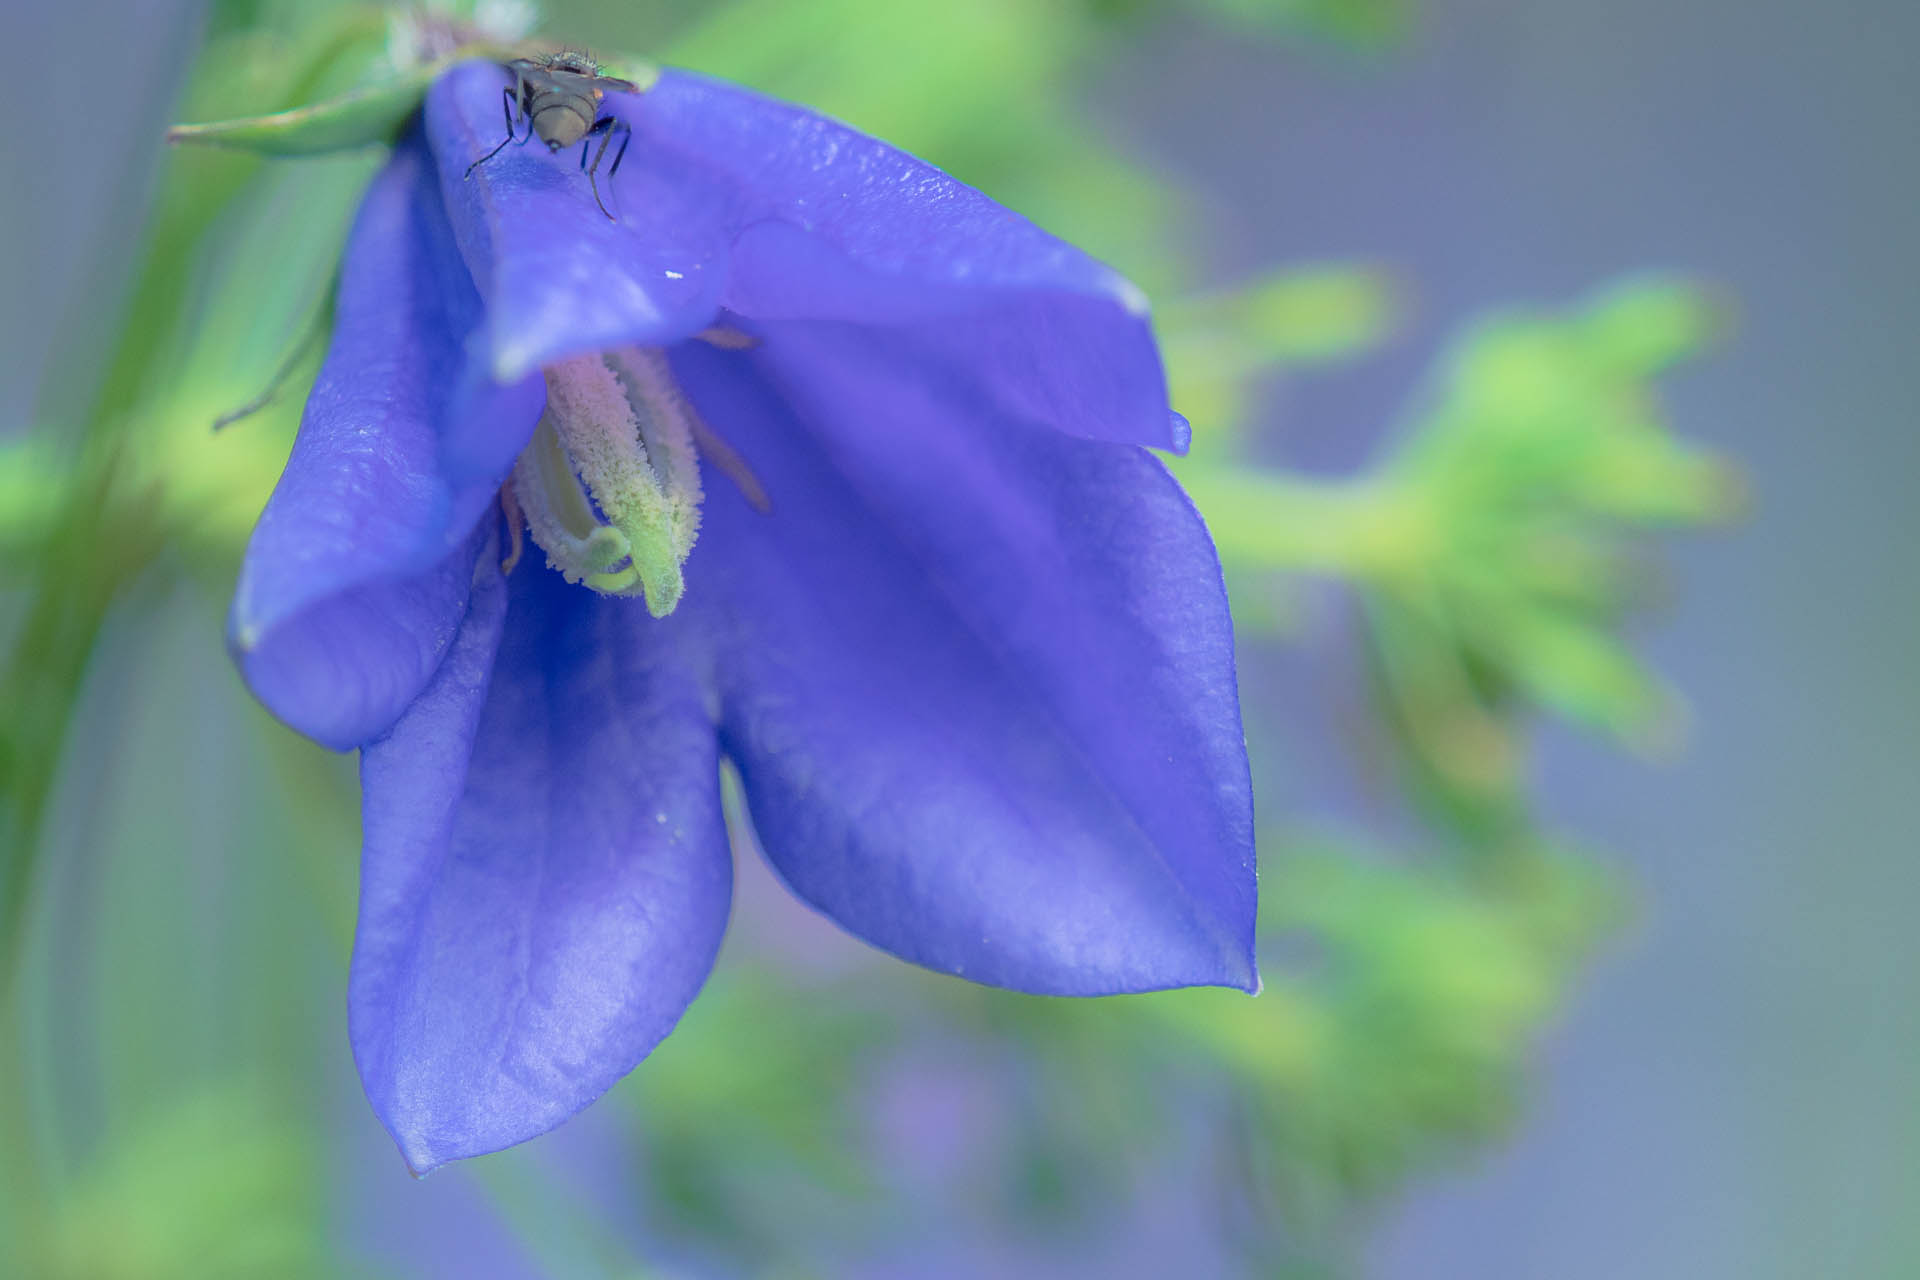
x,y
872,445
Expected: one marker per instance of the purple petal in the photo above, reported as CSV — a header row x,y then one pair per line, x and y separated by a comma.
x,y
546,875
342,671
356,576
978,678
559,277
729,198
828,223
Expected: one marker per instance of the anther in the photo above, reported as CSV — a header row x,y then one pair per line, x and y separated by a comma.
x,y
725,337
516,528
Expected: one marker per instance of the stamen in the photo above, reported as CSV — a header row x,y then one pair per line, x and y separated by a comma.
x,y
516,529
727,338
715,449
646,369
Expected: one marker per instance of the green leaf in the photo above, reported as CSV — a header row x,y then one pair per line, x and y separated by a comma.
x,y
1647,324
1220,345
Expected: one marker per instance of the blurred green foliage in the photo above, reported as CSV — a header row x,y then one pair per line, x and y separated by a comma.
x,y
1491,547
1493,551
210,1189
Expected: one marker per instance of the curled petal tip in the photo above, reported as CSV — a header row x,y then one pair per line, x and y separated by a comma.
x,y
1246,974
1180,433
243,637
512,363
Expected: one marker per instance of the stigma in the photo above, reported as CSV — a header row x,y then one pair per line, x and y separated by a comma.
x,y
609,486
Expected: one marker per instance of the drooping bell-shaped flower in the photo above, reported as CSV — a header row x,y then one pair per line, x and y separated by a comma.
x,y
809,458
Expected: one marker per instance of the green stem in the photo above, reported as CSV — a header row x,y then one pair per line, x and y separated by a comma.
x,y
24,1210
102,536
197,188
105,534
100,542
38,690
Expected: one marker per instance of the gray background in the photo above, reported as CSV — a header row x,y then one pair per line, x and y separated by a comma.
x,y
1733,1092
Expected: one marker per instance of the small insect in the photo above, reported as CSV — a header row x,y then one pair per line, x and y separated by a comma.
x,y
559,96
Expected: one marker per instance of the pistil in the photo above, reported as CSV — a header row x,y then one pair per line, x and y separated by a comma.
x,y
610,484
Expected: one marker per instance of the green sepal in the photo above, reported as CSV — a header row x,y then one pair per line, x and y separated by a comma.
x,y
364,117
367,116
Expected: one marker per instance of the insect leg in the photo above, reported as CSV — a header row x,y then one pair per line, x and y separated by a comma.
x,y
520,104
512,103
605,127
510,100
626,136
